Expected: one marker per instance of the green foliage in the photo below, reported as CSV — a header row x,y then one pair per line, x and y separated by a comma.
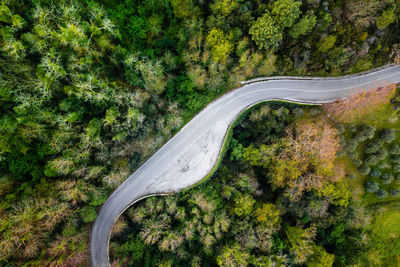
x,y
88,214
243,204
232,255
90,89
338,193
320,258
327,43
285,12
304,26
265,32
388,17
221,44
268,214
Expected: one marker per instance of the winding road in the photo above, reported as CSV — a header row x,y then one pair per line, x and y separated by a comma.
x,y
192,153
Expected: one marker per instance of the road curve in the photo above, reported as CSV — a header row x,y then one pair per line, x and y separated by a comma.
x,y
192,153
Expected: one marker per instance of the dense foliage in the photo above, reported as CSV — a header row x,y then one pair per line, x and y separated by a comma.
x,y
89,89
282,196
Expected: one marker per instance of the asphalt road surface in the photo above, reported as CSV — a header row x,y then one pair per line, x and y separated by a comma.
x,y
191,154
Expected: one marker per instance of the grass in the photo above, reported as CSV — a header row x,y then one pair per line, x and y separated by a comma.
x,y
384,233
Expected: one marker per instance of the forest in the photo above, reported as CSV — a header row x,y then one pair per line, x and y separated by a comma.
x,y
299,186
90,89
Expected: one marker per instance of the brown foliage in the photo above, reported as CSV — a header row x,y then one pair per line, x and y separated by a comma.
x,y
308,157
359,105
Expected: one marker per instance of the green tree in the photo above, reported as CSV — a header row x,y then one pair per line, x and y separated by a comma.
x,y
88,214
327,43
320,258
301,242
388,17
268,214
265,32
304,26
243,204
233,255
285,12
371,186
221,44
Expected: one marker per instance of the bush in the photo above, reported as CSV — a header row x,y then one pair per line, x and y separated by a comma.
x,y
365,132
387,135
395,159
371,160
387,178
395,192
396,168
381,193
88,214
373,146
357,162
352,155
364,169
395,149
371,186
375,173
382,154
352,145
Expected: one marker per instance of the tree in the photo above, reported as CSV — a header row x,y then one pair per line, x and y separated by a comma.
x,y
387,178
301,242
327,43
375,173
265,32
233,255
320,258
364,169
221,44
387,135
371,186
243,204
268,214
304,26
395,149
93,129
388,17
285,12
88,214
381,193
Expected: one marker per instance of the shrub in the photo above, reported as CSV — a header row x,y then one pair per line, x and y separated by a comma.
x,y
352,145
396,168
371,160
371,186
375,173
373,147
387,178
365,132
352,155
88,214
395,192
395,159
395,149
387,135
364,169
357,162
382,154
381,193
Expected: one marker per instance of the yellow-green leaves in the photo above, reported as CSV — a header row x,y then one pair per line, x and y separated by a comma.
x,y
285,12
266,32
268,214
221,45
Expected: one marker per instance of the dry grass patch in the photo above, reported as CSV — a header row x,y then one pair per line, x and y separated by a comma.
x,y
371,107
